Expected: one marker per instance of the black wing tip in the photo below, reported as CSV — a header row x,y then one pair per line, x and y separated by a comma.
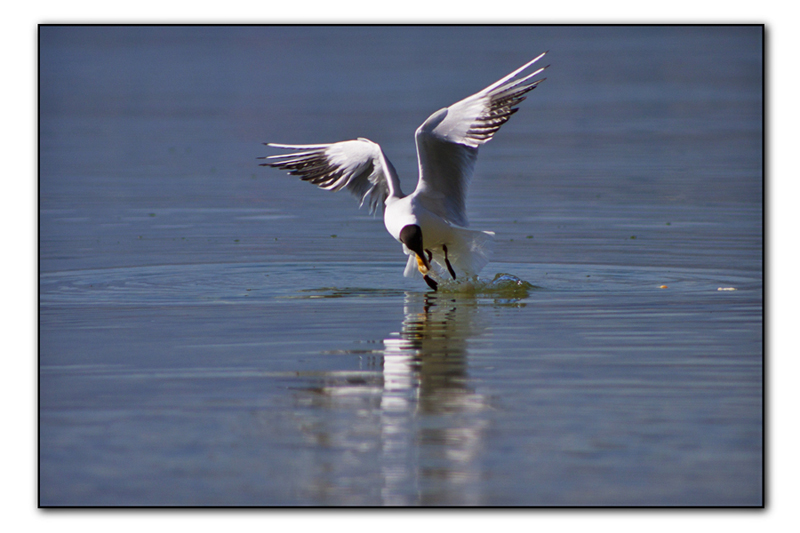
x,y
532,86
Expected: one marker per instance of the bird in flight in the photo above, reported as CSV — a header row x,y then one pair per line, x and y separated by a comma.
x,y
430,223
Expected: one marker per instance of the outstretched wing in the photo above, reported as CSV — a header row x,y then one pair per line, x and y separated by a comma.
x,y
448,141
359,166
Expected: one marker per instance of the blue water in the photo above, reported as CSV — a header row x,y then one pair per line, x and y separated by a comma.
x,y
216,333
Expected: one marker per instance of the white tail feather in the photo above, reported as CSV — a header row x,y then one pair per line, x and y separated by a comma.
x,y
468,253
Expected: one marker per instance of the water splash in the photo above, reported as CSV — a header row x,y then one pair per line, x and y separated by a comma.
x,y
505,289
503,286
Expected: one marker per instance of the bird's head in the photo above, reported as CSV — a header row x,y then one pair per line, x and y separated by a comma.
x,y
411,236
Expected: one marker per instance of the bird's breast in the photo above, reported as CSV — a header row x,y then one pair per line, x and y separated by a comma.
x,y
401,213
398,215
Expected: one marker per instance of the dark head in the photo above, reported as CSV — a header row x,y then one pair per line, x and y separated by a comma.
x,y
411,236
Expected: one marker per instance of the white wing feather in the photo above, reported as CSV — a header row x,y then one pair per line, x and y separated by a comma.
x,y
448,141
359,166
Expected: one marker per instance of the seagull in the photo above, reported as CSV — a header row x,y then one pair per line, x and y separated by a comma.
x,y
430,223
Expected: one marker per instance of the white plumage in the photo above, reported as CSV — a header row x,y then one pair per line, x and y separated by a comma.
x,y
431,222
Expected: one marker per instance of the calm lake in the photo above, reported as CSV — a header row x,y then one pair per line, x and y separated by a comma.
x,y
213,332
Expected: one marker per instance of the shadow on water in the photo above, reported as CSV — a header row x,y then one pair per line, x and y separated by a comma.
x,y
419,416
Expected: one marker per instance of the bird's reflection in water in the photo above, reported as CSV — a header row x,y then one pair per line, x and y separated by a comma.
x,y
430,433
407,427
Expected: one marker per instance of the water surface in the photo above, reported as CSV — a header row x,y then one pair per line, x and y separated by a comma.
x,y
216,333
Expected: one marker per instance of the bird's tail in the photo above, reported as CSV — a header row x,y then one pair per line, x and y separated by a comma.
x,y
468,253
